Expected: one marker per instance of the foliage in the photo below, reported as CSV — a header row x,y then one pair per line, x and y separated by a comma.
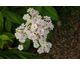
x,y
10,18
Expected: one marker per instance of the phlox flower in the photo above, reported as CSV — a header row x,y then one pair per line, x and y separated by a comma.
x,y
18,35
30,9
47,18
34,27
49,45
40,31
22,26
26,17
20,47
36,45
21,40
47,50
44,47
51,25
40,50
24,36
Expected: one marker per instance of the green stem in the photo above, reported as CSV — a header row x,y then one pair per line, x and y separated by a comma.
x,y
5,56
21,56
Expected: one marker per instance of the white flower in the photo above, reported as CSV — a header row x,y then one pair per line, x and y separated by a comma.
x,y
39,16
18,35
22,40
20,47
34,27
36,45
47,51
26,17
43,43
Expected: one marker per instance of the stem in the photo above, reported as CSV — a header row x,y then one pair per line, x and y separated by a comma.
x,y
21,56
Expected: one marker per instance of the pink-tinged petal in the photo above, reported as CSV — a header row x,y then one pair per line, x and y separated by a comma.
x,y
24,36
20,31
44,47
22,40
49,45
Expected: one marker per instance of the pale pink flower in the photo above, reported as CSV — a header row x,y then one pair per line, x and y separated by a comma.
x,y
51,25
40,31
44,47
40,38
46,32
31,32
47,50
30,9
24,36
49,45
33,12
22,40
34,38
18,35
39,22
42,43
47,18
40,50
22,26
20,31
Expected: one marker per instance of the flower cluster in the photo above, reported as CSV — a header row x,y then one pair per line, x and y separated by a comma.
x,y
35,29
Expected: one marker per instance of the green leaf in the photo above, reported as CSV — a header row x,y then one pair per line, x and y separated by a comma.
x,y
21,56
44,13
20,18
10,35
1,44
11,16
12,56
52,12
1,19
27,44
1,29
1,57
5,56
4,37
39,8
8,25
17,52
50,34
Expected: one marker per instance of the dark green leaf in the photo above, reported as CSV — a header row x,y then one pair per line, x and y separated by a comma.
x,y
39,8
27,44
1,44
1,29
20,18
1,19
44,13
8,25
17,52
11,16
50,34
21,56
5,56
10,35
1,57
51,11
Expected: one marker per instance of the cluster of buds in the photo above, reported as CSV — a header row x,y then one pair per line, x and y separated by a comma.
x,y
35,29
